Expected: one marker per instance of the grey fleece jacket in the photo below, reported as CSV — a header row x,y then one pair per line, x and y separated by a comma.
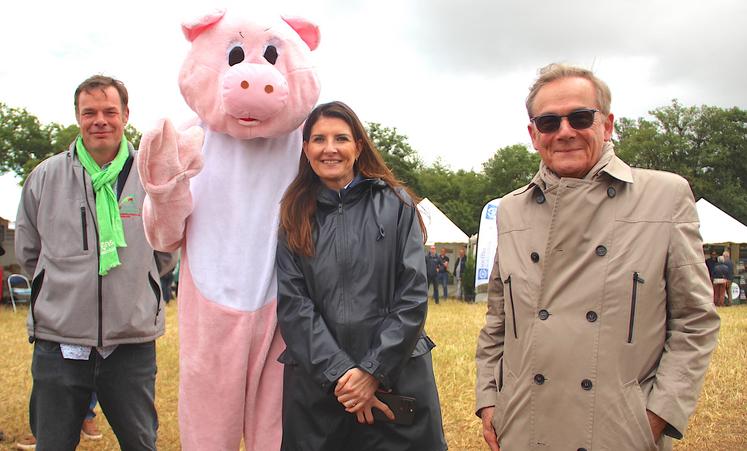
x,y
56,242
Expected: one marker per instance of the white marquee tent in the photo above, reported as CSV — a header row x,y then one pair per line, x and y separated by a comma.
x,y
717,227
439,226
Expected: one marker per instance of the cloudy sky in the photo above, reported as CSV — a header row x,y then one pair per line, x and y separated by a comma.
x,y
452,75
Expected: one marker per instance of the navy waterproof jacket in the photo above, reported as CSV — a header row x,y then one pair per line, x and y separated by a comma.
x,y
359,301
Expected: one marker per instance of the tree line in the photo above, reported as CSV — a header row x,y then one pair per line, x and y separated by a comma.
x,y
707,145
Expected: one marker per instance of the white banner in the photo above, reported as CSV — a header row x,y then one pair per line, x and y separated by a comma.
x,y
486,242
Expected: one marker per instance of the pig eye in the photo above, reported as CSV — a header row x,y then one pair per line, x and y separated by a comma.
x,y
271,54
235,56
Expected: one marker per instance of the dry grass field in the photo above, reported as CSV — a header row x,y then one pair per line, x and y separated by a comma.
x,y
719,423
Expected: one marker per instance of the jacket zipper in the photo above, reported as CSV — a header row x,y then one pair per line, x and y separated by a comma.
x,y
98,265
36,285
157,293
636,280
343,263
513,310
84,226
500,376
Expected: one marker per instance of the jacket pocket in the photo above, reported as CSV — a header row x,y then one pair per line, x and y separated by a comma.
x,y
502,399
507,283
84,227
36,286
637,280
157,292
625,422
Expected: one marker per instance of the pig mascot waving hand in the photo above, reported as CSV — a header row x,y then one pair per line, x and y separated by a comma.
x,y
214,191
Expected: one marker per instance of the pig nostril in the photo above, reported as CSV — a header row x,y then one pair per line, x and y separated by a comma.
x,y
245,84
269,89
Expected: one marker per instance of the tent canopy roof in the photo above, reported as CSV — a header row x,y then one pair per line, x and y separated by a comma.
x,y
439,226
718,227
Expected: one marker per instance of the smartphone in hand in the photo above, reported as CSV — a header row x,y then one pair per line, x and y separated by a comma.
x,y
403,408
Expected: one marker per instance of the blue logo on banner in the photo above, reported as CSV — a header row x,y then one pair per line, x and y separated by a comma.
x,y
482,274
490,212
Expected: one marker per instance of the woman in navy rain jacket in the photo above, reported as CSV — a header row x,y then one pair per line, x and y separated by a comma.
x,y
352,297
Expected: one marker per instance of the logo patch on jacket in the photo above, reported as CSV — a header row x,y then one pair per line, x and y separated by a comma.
x,y
128,208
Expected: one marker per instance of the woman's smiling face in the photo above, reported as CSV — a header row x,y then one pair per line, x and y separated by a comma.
x,y
332,151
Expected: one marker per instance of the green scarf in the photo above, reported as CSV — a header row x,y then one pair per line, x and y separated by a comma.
x,y
111,233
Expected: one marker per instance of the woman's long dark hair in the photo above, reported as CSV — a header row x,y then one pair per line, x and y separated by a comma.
x,y
298,205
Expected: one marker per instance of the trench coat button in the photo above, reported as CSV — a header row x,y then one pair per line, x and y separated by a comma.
x,y
333,372
611,192
367,364
535,257
591,316
586,384
601,251
539,379
543,314
540,198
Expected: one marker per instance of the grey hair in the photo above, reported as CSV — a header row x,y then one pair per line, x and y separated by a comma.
x,y
556,71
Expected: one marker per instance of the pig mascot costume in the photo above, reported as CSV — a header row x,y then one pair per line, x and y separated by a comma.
x,y
214,191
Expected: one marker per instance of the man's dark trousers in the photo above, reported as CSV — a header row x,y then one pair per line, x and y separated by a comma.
x,y
124,383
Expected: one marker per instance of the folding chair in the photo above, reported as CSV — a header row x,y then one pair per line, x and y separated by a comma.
x,y
19,288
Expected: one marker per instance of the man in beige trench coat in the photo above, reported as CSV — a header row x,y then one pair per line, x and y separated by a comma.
x,y
600,322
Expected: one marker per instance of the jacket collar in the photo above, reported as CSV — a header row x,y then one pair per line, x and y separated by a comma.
x,y
618,169
123,174
351,193
615,167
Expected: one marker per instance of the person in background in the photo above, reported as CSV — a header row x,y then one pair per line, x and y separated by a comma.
x,y
433,267
166,281
444,273
90,430
711,263
2,281
459,266
352,298
96,307
600,324
729,275
720,279
176,278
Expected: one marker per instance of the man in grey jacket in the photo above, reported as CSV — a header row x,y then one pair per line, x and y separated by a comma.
x,y
96,306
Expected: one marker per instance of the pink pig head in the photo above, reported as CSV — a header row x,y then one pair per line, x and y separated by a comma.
x,y
250,78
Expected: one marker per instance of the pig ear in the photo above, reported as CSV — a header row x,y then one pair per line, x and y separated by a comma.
x,y
193,28
308,31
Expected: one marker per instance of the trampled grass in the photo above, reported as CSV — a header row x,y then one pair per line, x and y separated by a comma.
x,y
719,423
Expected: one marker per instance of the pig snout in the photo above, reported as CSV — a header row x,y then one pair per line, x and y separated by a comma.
x,y
253,93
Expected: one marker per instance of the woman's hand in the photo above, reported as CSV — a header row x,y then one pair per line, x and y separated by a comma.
x,y
356,390
355,387
364,411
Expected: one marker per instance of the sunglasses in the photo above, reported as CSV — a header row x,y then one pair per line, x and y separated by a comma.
x,y
579,120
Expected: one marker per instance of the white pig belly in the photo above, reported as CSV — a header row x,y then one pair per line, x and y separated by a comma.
x,y
232,231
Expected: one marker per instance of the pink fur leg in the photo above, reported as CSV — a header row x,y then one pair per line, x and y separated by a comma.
x,y
230,380
264,401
